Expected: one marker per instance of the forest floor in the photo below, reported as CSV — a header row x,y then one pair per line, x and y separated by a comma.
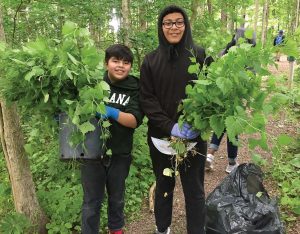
x,y
145,223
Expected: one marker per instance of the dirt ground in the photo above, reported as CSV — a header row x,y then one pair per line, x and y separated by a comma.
x,y
145,224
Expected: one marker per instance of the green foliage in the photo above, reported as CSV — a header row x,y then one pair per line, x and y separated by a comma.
x,y
215,40
58,183
231,94
15,223
6,201
56,76
285,170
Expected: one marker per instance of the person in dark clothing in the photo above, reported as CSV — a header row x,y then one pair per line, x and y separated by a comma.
x,y
278,41
232,150
124,114
164,76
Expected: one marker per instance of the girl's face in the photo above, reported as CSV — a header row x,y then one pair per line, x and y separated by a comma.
x,y
173,27
117,69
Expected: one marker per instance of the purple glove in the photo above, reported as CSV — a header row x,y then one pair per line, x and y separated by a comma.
x,y
111,112
191,134
186,132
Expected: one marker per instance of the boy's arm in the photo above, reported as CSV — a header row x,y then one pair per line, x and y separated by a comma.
x,y
123,118
127,119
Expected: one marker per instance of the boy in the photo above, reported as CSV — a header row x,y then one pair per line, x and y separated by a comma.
x,y
110,172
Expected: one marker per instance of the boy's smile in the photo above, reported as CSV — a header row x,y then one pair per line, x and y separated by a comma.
x,y
117,69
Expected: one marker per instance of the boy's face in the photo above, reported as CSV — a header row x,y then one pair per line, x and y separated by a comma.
x,y
117,69
173,27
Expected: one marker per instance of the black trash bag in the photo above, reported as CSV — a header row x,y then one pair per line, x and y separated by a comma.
x,y
240,204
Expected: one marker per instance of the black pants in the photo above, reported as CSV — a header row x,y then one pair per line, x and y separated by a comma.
x,y
95,176
232,149
192,179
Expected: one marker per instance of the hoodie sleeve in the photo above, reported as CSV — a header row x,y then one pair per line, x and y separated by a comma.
x,y
150,103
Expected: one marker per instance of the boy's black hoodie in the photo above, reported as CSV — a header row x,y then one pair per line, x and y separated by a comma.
x,y
164,76
123,96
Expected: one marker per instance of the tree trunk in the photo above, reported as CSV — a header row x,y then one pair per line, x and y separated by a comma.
x,y
265,19
23,190
224,19
224,16
256,16
125,21
209,7
242,25
195,5
297,14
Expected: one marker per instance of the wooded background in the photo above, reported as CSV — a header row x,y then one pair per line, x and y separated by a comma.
x,y
128,21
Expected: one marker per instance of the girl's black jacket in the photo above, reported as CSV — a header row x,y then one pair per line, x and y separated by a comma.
x,y
164,76
124,95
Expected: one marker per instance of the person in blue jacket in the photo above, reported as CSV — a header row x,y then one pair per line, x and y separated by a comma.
x,y
278,41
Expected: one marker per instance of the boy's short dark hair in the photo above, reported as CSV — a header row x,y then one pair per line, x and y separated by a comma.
x,y
119,51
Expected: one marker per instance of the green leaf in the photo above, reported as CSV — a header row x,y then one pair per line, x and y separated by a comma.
x,y
109,152
68,225
104,85
296,210
168,172
2,46
90,57
257,159
234,127
69,74
101,108
262,142
249,33
29,149
202,82
36,71
73,59
193,69
279,99
193,59
224,84
296,161
69,102
284,140
69,27
17,61
46,97
106,124
84,32
217,124
86,127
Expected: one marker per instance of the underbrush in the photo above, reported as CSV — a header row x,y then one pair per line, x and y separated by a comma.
x,y
58,184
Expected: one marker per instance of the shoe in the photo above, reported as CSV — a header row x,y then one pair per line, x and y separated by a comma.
x,y
117,232
231,167
209,162
168,231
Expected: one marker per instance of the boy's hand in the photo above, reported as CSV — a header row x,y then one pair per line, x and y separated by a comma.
x,y
185,133
111,112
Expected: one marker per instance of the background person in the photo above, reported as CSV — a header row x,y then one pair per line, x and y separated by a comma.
x,y
278,41
232,150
